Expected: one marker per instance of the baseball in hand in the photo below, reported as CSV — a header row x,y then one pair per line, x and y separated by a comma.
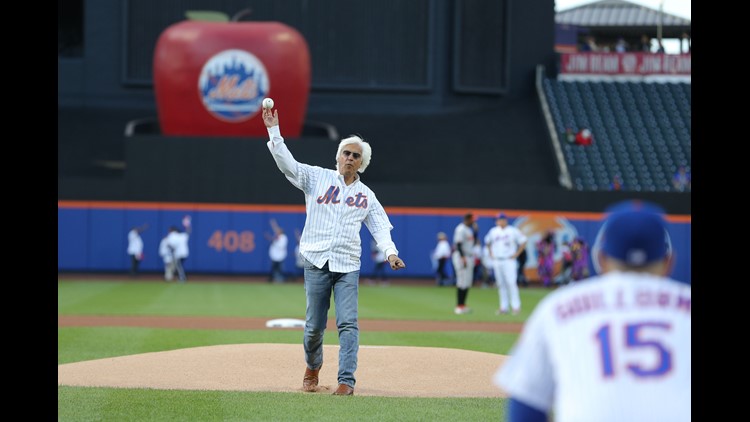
x,y
267,103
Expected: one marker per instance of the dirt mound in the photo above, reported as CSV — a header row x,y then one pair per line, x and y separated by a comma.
x,y
393,371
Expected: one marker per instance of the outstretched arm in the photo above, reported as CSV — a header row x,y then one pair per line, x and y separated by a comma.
x,y
274,225
284,159
187,223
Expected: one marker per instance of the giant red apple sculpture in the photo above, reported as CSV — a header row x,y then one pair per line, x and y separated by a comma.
x,y
210,78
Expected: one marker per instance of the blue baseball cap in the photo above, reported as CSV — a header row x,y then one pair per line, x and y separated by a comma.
x,y
635,232
502,216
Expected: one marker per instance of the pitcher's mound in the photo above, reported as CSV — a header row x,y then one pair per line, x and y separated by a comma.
x,y
394,371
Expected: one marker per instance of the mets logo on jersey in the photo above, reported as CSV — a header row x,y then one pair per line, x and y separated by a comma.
x,y
232,85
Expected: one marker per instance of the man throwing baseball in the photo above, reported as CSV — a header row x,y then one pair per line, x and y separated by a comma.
x,y
337,203
615,347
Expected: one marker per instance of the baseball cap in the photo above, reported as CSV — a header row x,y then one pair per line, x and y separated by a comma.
x,y
635,232
502,216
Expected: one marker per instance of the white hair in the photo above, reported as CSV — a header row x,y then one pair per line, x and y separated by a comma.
x,y
366,151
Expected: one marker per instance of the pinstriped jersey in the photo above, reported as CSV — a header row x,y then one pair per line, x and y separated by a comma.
x,y
611,348
335,212
504,241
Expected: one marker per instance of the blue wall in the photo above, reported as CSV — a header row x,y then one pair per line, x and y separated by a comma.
x,y
94,238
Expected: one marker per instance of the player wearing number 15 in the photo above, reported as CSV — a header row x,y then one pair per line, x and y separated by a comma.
x,y
337,203
614,347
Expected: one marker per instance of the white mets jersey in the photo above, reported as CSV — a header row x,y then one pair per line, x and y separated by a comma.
x,y
611,348
335,212
504,241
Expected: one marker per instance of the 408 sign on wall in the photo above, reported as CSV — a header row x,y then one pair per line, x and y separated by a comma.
x,y
232,241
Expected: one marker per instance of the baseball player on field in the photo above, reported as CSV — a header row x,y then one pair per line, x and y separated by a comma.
x,y
613,347
463,261
505,244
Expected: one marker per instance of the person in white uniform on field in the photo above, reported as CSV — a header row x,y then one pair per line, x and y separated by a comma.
x,y
277,252
135,248
336,203
441,255
168,257
178,244
613,347
505,244
463,261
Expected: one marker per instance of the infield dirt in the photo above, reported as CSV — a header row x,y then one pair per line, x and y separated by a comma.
x,y
394,371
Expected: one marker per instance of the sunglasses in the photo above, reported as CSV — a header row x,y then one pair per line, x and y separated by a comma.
x,y
356,155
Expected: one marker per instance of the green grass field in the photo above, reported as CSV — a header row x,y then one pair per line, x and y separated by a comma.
x,y
264,300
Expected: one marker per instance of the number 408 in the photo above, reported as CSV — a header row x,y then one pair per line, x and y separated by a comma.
x,y
231,241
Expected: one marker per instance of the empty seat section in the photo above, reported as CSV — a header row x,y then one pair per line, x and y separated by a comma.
x,y
641,131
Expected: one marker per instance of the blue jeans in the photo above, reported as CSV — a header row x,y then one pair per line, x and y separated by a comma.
x,y
319,283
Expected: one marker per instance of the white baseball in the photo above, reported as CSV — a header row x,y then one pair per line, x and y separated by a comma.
x,y
267,103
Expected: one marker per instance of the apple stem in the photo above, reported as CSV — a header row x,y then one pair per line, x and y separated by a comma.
x,y
241,14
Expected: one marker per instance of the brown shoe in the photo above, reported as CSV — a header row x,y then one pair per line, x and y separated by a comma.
x,y
344,390
310,381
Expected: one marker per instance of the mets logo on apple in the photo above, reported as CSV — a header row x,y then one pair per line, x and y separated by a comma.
x,y
233,84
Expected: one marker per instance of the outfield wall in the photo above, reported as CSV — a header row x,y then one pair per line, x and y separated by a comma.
x,y
230,239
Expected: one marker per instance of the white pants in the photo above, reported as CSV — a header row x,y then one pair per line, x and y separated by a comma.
x,y
506,273
169,269
464,274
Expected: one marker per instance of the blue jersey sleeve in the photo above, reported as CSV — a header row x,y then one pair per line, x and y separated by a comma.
x,y
519,411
